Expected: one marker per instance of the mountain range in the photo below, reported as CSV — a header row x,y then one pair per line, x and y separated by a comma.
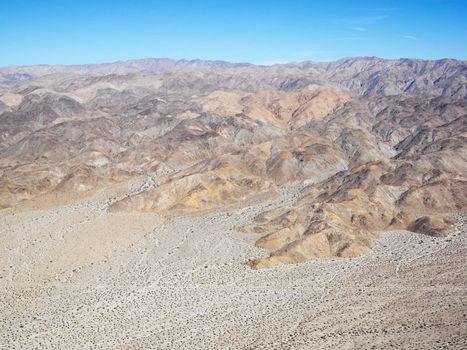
x,y
372,144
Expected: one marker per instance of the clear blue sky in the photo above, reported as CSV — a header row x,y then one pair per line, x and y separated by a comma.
x,y
263,32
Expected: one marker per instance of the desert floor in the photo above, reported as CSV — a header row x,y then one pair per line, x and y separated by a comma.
x,y
79,277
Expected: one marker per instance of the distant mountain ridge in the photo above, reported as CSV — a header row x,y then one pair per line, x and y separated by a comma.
x,y
359,75
140,66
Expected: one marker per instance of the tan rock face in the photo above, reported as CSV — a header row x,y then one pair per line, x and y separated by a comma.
x,y
286,110
211,185
11,100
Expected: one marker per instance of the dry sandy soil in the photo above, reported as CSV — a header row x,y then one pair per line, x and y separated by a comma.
x,y
79,277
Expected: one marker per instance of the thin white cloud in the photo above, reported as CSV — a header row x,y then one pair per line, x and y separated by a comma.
x,y
360,24
373,19
409,37
362,21
351,38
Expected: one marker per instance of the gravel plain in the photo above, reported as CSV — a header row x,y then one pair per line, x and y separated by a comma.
x,y
181,283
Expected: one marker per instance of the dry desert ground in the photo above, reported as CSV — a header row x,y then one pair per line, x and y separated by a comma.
x,y
140,281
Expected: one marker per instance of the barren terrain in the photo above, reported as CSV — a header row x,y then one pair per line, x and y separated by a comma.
x,y
182,284
159,204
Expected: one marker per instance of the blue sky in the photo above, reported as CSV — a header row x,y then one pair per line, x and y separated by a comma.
x,y
263,32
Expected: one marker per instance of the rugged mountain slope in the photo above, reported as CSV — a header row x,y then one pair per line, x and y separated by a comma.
x,y
111,132
375,144
424,179
286,110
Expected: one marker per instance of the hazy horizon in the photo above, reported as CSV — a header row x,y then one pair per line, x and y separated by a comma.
x,y
233,62
48,32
